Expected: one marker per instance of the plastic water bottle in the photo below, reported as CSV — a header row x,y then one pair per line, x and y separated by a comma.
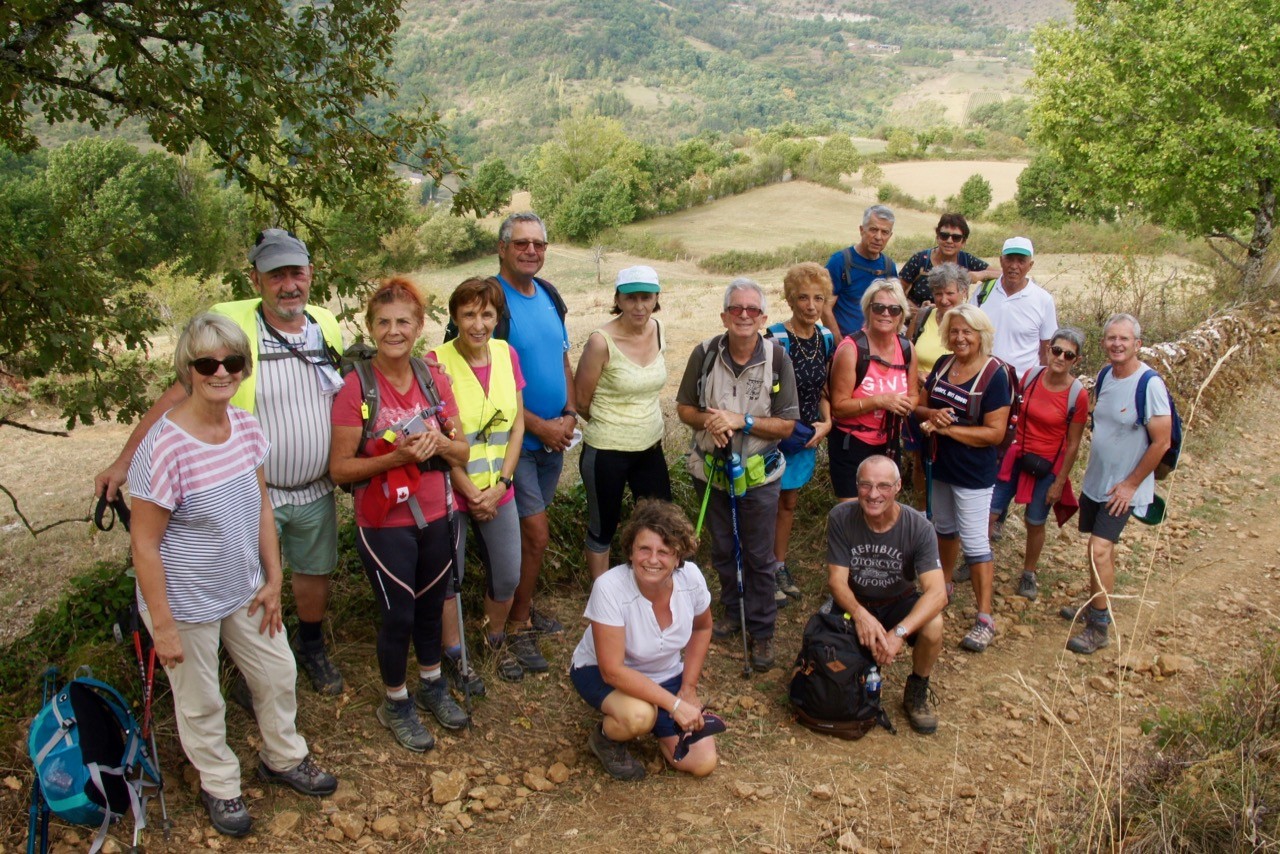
x,y
737,475
873,684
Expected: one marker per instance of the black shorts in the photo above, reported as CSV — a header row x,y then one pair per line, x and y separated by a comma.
x,y
893,612
1097,521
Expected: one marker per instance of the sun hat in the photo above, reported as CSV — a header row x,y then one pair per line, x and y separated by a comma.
x,y
1018,246
278,248
638,280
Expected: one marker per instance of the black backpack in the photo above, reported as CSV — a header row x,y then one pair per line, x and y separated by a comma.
x,y
828,682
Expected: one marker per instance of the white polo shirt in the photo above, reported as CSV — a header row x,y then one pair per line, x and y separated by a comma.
x,y
1022,321
655,652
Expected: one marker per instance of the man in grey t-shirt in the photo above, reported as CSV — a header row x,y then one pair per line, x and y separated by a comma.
x,y
884,574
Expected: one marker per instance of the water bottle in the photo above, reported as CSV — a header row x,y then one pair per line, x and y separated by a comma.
x,y
873,684
737,475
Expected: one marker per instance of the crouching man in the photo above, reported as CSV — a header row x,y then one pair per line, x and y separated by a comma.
x,y
884,573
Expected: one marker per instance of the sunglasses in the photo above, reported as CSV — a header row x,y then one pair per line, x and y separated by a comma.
x,y
751,311
524,245
1069,355
486,431
952,236
207,367
882,308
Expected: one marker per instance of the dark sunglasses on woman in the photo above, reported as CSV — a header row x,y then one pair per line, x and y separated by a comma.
x,y
207,366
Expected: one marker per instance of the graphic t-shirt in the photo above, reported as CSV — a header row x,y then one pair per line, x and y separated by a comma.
x,y
881,566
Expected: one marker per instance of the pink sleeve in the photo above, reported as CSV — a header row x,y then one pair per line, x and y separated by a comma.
x,y
346,405
448,404
515,369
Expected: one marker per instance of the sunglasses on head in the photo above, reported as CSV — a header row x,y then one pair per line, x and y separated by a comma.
x,y
1069,355
951,235
207,366
748,310
884,308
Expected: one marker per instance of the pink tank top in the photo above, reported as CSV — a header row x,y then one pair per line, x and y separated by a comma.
x,y
870,427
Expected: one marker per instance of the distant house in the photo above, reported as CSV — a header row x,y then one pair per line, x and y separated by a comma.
x,y
883,48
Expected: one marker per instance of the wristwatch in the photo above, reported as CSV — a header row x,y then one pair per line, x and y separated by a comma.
x,y
900,631
505,481
747,424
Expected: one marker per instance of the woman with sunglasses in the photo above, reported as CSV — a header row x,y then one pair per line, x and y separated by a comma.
x,y
952,233
488,385
618,382
868,410
1037,467
398,458
209,573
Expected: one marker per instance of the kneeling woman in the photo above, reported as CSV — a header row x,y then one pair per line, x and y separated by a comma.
x,y
643,614
403,533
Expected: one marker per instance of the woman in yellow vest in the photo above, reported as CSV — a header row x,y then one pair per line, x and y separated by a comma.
x,y
487,384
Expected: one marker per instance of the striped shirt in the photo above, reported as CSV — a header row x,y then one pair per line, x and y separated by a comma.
x,y
292,406
210,547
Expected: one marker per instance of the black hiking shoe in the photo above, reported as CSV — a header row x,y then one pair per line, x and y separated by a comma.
x,y
524,646
1095,636
762,654
786,583
240,694
725,629
401,718
916,703
229,816
544,624
504,662
614,756
470,682
433,696
314,660
306,778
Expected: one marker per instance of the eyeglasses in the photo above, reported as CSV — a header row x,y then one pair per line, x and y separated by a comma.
x,y
1069,355
486,431
207,367
752,311
885,308
952,236
868,486
524,245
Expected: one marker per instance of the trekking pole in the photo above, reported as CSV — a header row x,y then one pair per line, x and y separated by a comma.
x,y
737,559
38,813
451,516
702,514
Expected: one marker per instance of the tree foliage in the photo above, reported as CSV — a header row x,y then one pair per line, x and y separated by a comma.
x,y
582,148
492,186
974,197
1172,107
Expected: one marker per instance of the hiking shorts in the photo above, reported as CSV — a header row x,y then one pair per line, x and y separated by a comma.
x,y
593,689
537,476
1096,521
309,535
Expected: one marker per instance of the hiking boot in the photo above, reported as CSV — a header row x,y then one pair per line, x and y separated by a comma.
x,y
614,756
725,628
761,654
780,599
961,572
509,669
1027,586
315,662
544,624
915,702
979,637
401,718
997,530
1094,637
524,647
1073,612
240,694
468,683
229,816
433,696
786,583
306,778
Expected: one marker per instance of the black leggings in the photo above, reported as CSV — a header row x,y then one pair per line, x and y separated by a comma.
x,y
605,474
409,569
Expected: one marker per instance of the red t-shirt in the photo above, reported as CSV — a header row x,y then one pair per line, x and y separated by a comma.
x,y
1043,429
392,408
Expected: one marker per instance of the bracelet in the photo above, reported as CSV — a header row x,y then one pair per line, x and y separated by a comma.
x,y
675,706
568,411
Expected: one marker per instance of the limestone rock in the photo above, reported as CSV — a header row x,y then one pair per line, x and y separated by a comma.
x,y
1170,664
822,792
283,823
387,826
849,841
1102,685
537,782
1138,662
350,824
447,787
741,789
558,773
966,790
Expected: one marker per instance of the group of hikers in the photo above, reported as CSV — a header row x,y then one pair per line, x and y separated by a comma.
x,y
232,475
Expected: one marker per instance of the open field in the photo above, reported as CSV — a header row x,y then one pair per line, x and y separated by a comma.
x,y
943,178
946,94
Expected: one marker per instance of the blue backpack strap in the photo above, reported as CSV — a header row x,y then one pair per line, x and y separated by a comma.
x,y
778,332
828,341
1140,404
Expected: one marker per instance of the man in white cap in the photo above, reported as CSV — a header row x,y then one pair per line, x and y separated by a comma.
x,y
295,349
1024,313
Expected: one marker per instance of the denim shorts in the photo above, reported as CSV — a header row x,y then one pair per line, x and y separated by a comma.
x,y
537,476
592,688
1037,510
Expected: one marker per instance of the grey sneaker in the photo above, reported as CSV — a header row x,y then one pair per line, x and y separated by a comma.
x,y
979,637
508,668
1094,637
780,598
545,624
786,583
433,696
462,682
614,756
1027,586
229,816
307,778
524,646
1073,612
916,703
401,718
762,654
315,662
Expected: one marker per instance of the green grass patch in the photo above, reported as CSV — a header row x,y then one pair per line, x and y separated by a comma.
x,y
736,262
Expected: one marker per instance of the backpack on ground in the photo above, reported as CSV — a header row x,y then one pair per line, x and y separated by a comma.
x,y
91,761
1169,461
828,681
974,410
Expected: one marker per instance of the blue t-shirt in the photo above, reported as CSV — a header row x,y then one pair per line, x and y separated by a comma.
x,y
959,464
541,339
850,288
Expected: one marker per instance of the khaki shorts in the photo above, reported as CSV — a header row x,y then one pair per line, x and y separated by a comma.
x,y
309,535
